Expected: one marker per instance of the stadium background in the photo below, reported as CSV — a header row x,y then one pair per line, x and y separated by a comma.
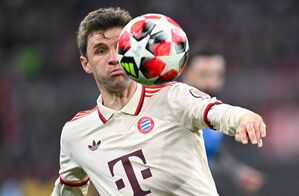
x,y
42,84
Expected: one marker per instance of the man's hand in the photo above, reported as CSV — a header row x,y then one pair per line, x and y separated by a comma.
x,y
252,127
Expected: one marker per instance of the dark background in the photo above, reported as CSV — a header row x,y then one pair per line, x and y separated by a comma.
x,y
42,84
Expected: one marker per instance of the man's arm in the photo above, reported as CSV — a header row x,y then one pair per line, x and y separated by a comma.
x,y
242,175
196,110
241,123
72,180
66,189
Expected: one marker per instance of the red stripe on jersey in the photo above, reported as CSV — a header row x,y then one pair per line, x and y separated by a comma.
x,y
151,90
103,119
140,103
161,86
81,183
206,111
149,94
82,114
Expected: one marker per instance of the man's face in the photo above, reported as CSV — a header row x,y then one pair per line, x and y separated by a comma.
x,y
102,60
207,73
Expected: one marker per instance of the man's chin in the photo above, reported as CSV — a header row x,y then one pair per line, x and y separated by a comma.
x,y
121,82
121,78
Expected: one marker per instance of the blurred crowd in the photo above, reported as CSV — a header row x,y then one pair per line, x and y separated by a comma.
x,y
42,84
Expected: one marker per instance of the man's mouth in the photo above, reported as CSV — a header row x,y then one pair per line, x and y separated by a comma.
x,y
117,71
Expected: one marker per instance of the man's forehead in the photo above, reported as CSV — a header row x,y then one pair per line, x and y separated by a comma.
x,y
103,35
109,35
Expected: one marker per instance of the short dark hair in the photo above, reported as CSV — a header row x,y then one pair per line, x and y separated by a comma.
x,y
203,50
100,20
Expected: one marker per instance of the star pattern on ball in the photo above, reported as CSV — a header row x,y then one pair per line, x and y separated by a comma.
x,y
164,24
161,45
138,49
172,57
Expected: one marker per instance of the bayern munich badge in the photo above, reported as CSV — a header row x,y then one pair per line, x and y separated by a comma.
x,y
145,124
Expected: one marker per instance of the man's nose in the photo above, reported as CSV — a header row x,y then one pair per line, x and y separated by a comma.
x,y
113,57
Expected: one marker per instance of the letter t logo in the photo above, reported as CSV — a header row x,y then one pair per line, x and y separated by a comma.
x,y
146,173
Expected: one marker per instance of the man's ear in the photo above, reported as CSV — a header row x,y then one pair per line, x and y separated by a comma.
x,y
85,64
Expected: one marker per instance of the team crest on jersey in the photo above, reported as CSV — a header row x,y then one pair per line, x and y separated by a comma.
x,y
145,124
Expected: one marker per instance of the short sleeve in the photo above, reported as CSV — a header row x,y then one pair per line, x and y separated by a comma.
x,y
72,180
190,106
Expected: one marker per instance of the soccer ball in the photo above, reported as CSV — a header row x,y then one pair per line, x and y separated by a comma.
x,y
153,49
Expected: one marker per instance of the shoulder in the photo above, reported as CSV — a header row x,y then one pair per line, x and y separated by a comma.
x,y
83,114
179,89
153,90
174,89
83,120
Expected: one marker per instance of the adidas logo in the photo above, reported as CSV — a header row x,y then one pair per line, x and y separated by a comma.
x,y
94,145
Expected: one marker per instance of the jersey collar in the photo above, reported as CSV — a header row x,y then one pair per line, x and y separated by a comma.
x,y
133,107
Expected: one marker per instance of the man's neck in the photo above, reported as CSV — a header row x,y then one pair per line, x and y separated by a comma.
x,y
117,100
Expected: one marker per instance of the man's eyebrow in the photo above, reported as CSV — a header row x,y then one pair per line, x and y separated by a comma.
x,y
97,45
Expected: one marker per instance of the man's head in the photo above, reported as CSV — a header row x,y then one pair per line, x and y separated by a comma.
x,y
100,20
206,71
97,40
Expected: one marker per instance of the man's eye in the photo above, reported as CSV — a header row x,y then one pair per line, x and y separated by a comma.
x,y
100,51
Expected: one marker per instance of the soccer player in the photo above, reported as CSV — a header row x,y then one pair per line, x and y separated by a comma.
x,y
141,140
207,73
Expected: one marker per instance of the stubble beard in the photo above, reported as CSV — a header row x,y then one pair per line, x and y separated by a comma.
x,y
114,85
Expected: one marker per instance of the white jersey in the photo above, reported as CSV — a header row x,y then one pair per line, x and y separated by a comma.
x,y
152,146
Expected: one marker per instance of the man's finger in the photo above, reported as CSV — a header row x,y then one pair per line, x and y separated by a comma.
x,y
263,129
250,128
257,131
260,142
238,135
260,130
243,134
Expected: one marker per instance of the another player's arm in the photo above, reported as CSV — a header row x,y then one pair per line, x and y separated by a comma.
x,y
72,180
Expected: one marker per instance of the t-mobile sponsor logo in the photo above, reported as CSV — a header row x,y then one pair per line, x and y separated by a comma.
x,y
146,173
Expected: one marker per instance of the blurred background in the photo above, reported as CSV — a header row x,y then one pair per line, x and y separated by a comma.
x,y
42,84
